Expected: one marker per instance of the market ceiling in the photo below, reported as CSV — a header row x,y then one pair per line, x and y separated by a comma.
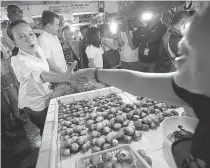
x,y
22,3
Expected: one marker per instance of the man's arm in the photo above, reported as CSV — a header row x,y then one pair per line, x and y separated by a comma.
x,y
119,39
54,67
158,34
157,86
81,52
48,55
110,45
92,64
130,41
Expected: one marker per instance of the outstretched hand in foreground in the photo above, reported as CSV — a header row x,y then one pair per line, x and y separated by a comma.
x,y
71,76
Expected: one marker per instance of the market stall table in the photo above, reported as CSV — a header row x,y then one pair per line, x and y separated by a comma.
x,y
50,156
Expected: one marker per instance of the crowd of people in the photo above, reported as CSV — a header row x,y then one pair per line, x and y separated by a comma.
x,y
38,63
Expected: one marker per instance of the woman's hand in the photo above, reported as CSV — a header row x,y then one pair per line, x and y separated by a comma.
x,y
72,78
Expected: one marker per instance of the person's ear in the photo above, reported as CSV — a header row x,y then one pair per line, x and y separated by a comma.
x,y
8,16
48,26
14,43
182,23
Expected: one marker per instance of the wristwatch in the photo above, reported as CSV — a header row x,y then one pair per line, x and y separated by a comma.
x,y
96,75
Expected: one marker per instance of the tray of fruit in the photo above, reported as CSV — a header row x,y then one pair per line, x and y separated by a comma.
x,y
122,156
97,124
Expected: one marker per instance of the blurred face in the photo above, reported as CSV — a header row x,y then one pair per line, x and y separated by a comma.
x,y
55,26
24,38
15,14
107,33
67,34
84,32
193,65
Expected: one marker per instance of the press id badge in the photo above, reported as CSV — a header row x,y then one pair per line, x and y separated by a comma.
x,y
146,51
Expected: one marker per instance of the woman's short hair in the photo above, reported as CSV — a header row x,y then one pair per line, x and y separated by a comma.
x,y
104,28
92,37
49,17
179,16
12,25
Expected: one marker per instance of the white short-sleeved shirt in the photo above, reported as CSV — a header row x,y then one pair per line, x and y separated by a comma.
x,y
52,49
127,54
33,93
95,53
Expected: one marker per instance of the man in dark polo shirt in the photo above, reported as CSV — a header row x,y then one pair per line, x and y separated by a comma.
x,y
169,45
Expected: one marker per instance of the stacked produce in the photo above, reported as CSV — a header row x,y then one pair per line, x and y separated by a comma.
x,y
116,159
66,89
104,122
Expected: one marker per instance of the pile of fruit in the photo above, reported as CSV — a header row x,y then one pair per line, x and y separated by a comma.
x,y
106,121
117,159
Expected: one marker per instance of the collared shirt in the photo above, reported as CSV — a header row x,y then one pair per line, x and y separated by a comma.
x,y
52,49
95,53
33,93
127,54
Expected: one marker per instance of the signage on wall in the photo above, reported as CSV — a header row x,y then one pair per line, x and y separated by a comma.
x,y
56,9
60,9
84,7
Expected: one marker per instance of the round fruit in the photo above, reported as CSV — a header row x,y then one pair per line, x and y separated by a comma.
x,y
106,146
125,155
69,131
106,130
96,149
148,160
126,123
138,124
95,160
68,142
120,134
145,127
127,138
106,156
77,129
136,117
137,135
66,152
85,147
74,147
114,142
99,119
117,126
93,142
100,141
129,130
113,160
108,165
99,126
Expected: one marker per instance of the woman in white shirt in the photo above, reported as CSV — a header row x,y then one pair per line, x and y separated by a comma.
x,y
32,72
94,50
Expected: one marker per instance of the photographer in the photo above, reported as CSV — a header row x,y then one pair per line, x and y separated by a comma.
x,y
129,51
148,41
